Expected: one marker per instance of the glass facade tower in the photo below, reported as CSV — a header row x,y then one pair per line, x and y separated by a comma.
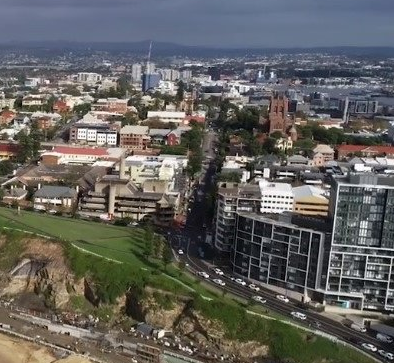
x,y
360,268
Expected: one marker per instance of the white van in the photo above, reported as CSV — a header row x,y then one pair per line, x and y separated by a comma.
x,y
384,338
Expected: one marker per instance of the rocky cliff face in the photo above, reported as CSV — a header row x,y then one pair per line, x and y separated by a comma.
x,y
42,269
184,321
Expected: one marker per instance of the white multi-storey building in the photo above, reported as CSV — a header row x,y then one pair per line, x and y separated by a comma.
x,y
87,77
276,197
136,72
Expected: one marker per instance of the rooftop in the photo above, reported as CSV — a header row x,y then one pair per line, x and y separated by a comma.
x,y
136,130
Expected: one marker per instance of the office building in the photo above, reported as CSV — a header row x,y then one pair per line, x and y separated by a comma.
x,y
280,250
361,260
136,72
150,81
359,106
276,197
310,200
214,72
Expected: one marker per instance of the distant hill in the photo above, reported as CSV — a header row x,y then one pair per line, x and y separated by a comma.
x,y
170,49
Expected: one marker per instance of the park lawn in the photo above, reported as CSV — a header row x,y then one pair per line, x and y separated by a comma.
x,y
63,228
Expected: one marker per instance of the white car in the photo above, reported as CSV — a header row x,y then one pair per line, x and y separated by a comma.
x,y
180,252
254,287
219,282
298,315
369,346
240,281
387,355
259,299
218,271
282,298
204,274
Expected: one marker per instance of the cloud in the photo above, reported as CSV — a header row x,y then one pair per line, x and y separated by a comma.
x,y
281,23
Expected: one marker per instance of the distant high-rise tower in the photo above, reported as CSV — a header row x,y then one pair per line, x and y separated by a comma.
x,y
214,72
136,72
149,78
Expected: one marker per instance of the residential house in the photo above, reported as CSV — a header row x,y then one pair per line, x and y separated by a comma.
x,y
14,195
60,106
8,151
57,198
34,100
362,150
326,151
6,117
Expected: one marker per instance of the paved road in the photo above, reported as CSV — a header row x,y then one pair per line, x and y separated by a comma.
x,y
192,242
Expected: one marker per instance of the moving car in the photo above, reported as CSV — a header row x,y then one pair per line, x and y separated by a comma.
x,y
384,338
369,346
180,252
387,355
219,282
282,298
204,274
298,315
240,281
254,287
218,271
259,299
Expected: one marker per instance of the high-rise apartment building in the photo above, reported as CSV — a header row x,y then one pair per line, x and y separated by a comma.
x,y
136,72
361,259
279,251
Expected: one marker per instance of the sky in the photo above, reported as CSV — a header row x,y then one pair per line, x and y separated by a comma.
x,y
215,23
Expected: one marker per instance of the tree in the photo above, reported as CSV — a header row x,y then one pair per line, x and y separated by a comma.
x,y
6,167
180,92
166,255
82,109
149,237
29,144
129,118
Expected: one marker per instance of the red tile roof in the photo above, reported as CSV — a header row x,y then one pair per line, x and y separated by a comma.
x,y
12,148
378,149
98,151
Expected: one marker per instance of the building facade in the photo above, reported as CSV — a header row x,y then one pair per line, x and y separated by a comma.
x,y
95,134
134,137
276,251
361,260
231,199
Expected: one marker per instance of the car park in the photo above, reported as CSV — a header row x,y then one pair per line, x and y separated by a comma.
x,y
218,271
219,282
254,287
204,274
240,281
298,315
369,346
259,299
387,355
282,298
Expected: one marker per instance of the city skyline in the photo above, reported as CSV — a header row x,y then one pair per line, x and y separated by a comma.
x,y
250,23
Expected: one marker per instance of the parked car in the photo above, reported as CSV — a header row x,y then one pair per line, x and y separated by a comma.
x,y
298,315
218,271
369,346
219,282
259,299
240,281
254,287
282,298
180,252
